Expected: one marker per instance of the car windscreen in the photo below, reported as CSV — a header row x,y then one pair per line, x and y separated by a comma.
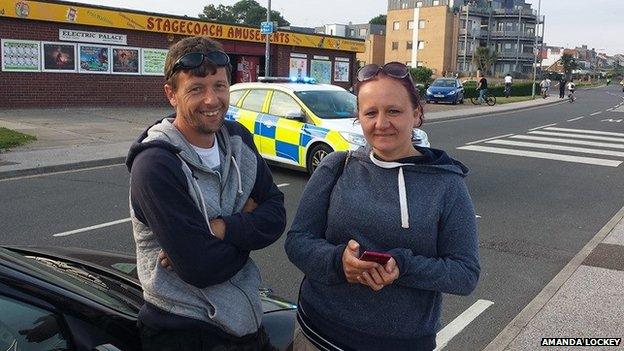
x,y
447,83
329,104
78,279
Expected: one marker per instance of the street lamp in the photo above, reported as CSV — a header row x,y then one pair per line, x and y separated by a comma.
x,y
267,51
539,3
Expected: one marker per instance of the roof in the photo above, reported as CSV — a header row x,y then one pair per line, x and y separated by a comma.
x,y
287,86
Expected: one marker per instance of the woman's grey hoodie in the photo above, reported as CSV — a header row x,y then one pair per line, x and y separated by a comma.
x,y
418,210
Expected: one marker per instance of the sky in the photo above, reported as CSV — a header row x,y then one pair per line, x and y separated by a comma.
x,y
569,23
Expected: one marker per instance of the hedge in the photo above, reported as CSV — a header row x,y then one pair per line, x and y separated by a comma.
x,y
517,89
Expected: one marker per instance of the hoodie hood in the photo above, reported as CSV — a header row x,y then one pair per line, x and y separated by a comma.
x,y
165,135
431,161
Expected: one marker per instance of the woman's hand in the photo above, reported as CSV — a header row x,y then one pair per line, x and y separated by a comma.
x,y
381,276
354,267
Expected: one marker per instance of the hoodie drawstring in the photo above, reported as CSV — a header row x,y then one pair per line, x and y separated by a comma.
x,y
202,204
238,173
401,181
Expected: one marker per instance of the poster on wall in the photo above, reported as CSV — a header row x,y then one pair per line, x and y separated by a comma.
x,y
58,57
125,60
93,59
153,62
21,55
341,71
298,67
321,71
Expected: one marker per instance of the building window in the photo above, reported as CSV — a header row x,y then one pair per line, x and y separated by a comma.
x,y
395,45
410,24
507,46
363,32
419,4
436,2
421,45
419,64
352,32
421,24
396,25
409,45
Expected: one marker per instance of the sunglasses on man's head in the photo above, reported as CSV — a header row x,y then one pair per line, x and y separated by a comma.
x,y
392,69
195,59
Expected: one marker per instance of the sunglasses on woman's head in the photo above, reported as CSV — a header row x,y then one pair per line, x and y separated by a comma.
x,y
195,59
392,69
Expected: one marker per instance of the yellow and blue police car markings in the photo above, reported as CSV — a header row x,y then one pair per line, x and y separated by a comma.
x,y
265,125
309,132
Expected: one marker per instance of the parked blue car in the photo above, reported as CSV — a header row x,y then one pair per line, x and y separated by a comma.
x,y
445,90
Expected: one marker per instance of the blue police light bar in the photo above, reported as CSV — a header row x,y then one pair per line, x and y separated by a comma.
x,y
308,80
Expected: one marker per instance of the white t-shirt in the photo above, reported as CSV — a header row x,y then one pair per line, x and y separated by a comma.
x,y
209,157
571,86
507,79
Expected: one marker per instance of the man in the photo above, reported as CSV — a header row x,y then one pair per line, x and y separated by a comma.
x,y
201,198
544,88
508,81
482,88
562,86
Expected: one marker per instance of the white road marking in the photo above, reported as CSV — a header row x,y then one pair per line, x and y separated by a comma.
x,y
595,113
477,216
574,119
578,136
543,155
558,147
492,138
568,141
283,184
86,229
548,125
610,109
445,335
584,131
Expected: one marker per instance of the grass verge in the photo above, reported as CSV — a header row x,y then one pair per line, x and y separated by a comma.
x,y
10,138
503,100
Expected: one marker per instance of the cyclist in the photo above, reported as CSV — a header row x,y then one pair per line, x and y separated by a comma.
x,y
571,88
622,84
482,88
608,81
508,81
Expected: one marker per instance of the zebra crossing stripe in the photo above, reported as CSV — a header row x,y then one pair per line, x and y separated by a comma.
x,y
543,155
584,131
578,136
558,147
568,141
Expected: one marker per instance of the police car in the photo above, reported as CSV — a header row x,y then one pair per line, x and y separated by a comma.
x,y
296,123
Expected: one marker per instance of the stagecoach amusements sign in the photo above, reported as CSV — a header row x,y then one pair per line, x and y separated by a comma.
x,y
58,12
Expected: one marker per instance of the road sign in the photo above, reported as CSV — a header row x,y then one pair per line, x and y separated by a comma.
x,y
266,27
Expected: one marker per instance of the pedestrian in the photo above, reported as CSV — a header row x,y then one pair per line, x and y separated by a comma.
x,y
201,198
482,88
562,86
508,82
382,232
544,88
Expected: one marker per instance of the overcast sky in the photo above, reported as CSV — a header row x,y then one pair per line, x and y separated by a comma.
x,y
569,23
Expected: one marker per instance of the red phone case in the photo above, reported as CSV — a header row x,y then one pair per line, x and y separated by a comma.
x,y
372,256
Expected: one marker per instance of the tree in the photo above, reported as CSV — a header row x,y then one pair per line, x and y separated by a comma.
x,y
381,19
248,12
569,63
484,58
421,74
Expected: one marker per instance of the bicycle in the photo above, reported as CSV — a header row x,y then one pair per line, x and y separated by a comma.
x,y
489,100
571,97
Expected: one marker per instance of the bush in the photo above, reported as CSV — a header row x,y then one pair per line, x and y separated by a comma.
x,y
421,74
517,89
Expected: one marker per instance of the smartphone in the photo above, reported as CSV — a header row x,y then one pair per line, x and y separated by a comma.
x,y
372,256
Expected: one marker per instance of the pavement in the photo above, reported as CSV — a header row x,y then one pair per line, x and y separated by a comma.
x,y
583,301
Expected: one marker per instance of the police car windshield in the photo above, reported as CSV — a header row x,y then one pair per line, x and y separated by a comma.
x,y
329,104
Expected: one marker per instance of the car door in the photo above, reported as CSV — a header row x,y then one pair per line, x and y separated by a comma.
x,y
251,116
286,145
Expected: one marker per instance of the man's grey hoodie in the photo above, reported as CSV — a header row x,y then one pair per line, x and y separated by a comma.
x,y
214,283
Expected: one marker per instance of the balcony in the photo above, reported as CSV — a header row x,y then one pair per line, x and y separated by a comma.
x,y
511,55
511,34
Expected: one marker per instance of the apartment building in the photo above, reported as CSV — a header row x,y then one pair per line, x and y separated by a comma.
x,y
373,35
422,33
444,34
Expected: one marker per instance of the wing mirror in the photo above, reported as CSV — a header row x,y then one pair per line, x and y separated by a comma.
x,y
298,115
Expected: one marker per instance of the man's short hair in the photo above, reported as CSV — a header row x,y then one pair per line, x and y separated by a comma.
x,y
202,44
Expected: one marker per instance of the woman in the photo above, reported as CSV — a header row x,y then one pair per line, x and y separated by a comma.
x,y
389,197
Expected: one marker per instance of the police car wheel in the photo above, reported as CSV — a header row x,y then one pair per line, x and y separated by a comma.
x,y
316,155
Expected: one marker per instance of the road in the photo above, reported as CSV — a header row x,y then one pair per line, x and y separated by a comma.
x,y
541,185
